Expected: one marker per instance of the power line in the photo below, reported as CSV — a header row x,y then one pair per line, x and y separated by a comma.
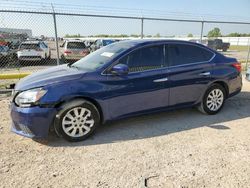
x,y
62,7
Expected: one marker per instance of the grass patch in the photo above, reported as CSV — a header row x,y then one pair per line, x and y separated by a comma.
x,y
238,48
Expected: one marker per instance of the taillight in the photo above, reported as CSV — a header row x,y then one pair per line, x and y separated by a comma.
x,y
85,52
237,65
67,52
39,49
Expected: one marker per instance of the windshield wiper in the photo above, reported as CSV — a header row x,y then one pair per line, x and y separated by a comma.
x,y
72,66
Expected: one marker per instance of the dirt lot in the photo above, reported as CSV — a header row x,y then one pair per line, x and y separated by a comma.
x,y
173,149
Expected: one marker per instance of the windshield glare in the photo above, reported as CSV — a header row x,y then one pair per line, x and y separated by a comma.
x,y
102,56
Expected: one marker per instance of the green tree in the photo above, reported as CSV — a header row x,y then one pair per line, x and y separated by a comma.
x,y
190,35
157,35
238,35
215,32
134,35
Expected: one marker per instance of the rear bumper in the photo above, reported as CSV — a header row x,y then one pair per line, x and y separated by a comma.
x,y
30,58
33,122
235,85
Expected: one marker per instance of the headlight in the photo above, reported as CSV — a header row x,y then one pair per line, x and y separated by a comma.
x,y
29,97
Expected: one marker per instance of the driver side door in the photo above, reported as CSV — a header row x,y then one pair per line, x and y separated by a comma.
x,y
142,88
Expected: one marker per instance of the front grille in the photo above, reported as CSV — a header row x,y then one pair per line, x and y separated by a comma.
x,y
22,129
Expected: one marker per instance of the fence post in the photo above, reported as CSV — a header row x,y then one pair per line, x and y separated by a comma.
x,y
202,26
142,25
248,53
56,38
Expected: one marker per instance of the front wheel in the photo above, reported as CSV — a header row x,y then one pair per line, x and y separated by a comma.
x,y
213,100
77,120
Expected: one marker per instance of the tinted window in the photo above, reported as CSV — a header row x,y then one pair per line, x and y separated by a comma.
x,y
144,59
107,42
45,45
76,45
181,54
29,46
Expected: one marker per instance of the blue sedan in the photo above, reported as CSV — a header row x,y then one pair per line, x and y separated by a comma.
x,y
121,80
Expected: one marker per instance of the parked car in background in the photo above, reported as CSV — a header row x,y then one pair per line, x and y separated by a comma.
x,y
99,43
33,51
218,44
73,50
204,41
121,80
6,55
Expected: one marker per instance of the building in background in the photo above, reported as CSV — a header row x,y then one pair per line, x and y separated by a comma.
x,y
27,32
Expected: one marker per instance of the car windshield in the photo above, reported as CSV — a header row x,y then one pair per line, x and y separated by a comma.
x,y
29,46
76,45
102,56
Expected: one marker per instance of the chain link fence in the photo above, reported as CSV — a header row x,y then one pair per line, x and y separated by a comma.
x,y
33,40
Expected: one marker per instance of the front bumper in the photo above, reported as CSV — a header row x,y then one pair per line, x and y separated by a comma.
x,y
33,122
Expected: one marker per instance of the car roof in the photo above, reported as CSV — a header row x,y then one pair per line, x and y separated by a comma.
x,y
152,41
75,41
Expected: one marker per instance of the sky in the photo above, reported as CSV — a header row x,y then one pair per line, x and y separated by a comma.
x,y
218,10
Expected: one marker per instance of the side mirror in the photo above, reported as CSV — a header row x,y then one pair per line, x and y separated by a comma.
x,y
120,69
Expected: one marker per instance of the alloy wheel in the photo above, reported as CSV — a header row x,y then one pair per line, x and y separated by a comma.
x,y
215,99
77,122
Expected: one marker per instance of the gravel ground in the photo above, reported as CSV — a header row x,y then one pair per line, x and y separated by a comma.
x,y
183,148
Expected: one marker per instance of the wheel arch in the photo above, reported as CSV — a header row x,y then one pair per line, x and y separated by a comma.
x,y
89,99
223,84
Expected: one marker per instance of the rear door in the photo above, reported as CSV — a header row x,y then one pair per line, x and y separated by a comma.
x,y
143,87
190,67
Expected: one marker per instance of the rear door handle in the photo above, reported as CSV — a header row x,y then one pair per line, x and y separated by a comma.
x,y
161,80
205,74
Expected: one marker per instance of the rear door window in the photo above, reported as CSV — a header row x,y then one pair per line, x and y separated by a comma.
x,y
182,54
148,58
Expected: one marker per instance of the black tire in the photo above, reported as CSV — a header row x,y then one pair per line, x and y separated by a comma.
x,y
49,56
65,109
204,108
63,59
224,49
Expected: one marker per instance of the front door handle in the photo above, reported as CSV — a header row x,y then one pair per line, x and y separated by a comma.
x,y
161,80
205,74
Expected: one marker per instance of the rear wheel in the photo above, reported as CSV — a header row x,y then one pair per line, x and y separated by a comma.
x,y
224,49
213,100
63,59
77,120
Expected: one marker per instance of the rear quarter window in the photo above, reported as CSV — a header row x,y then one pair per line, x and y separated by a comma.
x,y
182,54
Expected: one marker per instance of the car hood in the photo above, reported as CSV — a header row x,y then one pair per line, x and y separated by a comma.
x,y
49,76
